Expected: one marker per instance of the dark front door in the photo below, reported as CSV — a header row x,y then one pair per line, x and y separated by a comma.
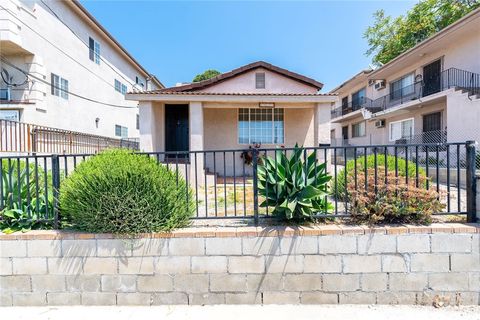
x,y
431,78
176,128
345,133
432,128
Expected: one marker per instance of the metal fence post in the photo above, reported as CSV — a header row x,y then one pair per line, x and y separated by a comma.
x,y
56,188
255,185
471,182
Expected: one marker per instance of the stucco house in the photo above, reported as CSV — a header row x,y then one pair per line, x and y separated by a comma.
x,y
258,103
429,94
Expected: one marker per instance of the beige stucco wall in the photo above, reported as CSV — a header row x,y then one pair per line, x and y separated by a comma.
x,y
463,118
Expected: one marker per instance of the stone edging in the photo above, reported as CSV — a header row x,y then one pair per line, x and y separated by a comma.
x,y
273,231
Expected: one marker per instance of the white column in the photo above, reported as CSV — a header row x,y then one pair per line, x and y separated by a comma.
x,y
147,126
196,143
322,119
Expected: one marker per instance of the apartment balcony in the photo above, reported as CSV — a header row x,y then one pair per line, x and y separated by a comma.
x,y
12,99
351,107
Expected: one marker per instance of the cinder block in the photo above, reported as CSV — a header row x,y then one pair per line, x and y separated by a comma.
x,y
48,283
158,283
5,299
376,243
186,246
29,266
451,243
223,246
83,283
15,284
261,246
65,265
6,266
448,281
303,282
395,263
228,283
341,282
299,245
281,297
99,299
374,282
63,298
150,247
357,298
119,283
408,281
206,298
136,265
413,243
465,262
114,247
323,264
172,265
93,265
362,264
29,299
337,244
169,298
246,264
209,264
403,298
284,264
134,299
13,248
243,298
191,283
318,298
44,248
79,248
428,262
264,282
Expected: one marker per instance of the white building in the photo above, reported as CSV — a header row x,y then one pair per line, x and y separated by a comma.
x,y
61,68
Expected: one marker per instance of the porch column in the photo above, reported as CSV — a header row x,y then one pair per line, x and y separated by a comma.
x,y
196,143
147,126
322,119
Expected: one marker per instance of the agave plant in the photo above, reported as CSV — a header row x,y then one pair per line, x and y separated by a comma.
x,y
295,186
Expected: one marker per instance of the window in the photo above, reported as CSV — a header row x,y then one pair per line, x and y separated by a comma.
x,y
260,80
121,131
345,102
94,53
138,122
359,129
59,86
139,82
401,129
358,98
402,87
120,87
260,126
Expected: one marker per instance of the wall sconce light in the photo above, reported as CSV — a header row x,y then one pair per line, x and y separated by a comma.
x,y
97,120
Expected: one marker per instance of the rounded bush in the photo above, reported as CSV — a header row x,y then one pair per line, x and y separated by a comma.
x,y
118,191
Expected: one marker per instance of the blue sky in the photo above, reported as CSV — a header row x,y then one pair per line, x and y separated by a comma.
x,y
177,40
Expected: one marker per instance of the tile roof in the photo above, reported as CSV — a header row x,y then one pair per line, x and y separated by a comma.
x,y
194,93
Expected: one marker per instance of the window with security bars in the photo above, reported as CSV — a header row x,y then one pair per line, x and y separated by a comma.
x,y
59,86
260,126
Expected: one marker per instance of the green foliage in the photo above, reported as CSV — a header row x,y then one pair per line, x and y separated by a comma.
x,y
27,205
389,37
295,188
210,73
339,191
118,191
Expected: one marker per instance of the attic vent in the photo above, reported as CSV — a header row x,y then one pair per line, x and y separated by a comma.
x,y
260,80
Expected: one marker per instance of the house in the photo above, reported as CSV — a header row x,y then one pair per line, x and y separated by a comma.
x,y
258,103
61,68
429,94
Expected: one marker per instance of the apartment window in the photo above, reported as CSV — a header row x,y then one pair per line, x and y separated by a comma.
x,y
358,98
401,129
138,122
260,80
59,86
260,126
402,87
121,131
139,82
94,52
345,102
120,87
359,129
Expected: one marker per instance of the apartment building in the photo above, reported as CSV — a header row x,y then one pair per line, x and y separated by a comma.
x,y
429,94
61,68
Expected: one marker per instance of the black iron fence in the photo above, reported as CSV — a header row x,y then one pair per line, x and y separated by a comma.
x,y
224,183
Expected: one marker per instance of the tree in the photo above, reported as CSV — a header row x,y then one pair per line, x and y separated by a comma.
x,y
390,37
210,73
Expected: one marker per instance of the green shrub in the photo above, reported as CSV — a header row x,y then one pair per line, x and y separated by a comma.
x,y
118,191
295,189
339,191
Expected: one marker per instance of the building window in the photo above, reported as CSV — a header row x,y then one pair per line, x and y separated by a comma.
x,y
402,87
139,82
260,80
94,52
358,98
138,122
359,129
120,87
59,86
121,131
260,126
401,129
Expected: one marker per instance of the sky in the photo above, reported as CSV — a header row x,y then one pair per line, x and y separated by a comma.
x,y
177,40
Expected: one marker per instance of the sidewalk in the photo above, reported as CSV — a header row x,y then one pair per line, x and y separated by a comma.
x,y
290,312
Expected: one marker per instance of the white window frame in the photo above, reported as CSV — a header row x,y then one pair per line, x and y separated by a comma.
x,y
59,86
250,131
123,131
400,121
120,86
95,50
364,131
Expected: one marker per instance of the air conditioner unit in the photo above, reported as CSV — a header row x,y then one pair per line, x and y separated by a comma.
x,y
380,85
380,123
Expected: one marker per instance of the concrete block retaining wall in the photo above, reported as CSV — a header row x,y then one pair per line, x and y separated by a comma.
x,y
306,265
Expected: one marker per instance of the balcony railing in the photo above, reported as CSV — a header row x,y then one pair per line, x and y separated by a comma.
x,y
450,78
